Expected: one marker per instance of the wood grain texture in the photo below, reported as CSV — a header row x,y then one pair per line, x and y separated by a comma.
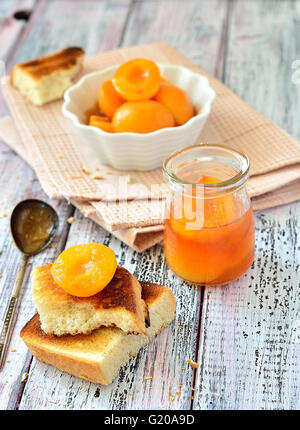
x,y
248,351
263,42
95,26
247,344
19,183
194,27
10,31
250,332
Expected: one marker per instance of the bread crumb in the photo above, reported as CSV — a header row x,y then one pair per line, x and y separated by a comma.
x,y
8,361
108,172
129,394
70,220
52,401
98,176
84,389
4,214
0,275
85,169
148,377
13,350
171,398
178,394
58,203
161,362
192,397
183,368
24,377
128,179
192,363
75,176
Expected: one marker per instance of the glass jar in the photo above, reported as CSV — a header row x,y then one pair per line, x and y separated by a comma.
x,y
209,225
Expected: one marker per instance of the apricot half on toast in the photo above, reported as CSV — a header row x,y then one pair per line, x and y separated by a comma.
x,y
84,270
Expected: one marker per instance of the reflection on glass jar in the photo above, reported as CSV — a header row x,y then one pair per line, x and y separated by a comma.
x,y
209,227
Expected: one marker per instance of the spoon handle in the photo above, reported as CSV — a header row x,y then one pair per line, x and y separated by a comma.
x,y
9,315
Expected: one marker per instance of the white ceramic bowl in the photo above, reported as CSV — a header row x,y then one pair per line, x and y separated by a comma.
x,y
137,151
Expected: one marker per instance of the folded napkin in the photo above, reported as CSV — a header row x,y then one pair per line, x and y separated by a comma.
x,y
66,168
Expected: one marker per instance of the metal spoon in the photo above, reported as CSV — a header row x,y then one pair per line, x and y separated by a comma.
x,y
33,224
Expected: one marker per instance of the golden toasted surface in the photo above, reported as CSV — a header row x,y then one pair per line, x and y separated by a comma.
x,y
62,60
95,342
120,292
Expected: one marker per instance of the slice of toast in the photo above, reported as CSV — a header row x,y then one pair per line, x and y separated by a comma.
x,y
119,304
98,356
46,78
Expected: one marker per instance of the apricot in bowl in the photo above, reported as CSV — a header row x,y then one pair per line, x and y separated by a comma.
x,y
137,150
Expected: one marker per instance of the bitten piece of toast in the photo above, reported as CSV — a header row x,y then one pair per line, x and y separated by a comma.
x,y
98,356
119,304
46,78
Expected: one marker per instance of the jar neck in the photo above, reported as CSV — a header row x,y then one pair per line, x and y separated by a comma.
x,y
225,170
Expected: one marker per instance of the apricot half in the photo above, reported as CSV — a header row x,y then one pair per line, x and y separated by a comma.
x,y
101,122
219,209
137,79
108,98
142,117
177,101
84,270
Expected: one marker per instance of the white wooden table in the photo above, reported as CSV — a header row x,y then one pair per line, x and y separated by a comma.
x,y
245,336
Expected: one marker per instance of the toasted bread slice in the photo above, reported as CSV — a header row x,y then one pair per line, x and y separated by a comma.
x,y
46,78
119,304
98,356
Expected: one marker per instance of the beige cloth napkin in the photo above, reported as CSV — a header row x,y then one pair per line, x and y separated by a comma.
x,y
57,154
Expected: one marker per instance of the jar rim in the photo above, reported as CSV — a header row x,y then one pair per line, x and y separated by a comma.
x,y
234,181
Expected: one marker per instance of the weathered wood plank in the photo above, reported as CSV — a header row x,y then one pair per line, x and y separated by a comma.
x,y
10,30
193,27
93,25
178,342
19,182
249,346
263,44
249,350
11,27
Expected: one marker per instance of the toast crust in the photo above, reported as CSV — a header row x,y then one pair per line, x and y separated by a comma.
x,y
90,356
121,295
44,66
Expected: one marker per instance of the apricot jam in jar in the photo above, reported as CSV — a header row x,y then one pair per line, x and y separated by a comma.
x,y
209,225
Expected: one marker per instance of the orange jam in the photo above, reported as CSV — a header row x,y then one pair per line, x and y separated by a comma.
x,y
33,226
222,248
